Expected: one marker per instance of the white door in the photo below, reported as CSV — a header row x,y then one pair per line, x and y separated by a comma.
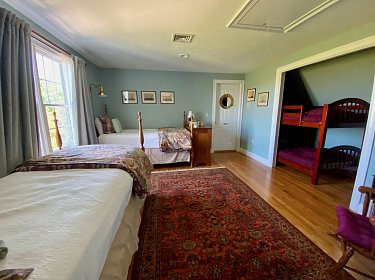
x,y
227,116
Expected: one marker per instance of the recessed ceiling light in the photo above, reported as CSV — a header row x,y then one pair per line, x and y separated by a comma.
x,y
183,55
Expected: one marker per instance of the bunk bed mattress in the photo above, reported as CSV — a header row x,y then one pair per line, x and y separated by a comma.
x,y
302,156
314,115
62,223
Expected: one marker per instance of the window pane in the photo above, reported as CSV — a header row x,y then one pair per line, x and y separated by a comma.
x,y
49,113
39,63
57,71
48,66
51,89
50,77
60,94
43,91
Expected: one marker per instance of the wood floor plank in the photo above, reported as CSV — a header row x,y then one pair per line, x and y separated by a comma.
x,y
309,208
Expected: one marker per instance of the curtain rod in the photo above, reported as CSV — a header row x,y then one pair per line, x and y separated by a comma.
x,y
42,39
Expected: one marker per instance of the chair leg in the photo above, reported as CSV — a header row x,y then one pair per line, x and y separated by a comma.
x,y
342,261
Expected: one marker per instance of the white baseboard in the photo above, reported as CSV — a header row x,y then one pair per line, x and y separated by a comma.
x,y
255,157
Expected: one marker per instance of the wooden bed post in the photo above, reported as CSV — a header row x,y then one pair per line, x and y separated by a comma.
x,y
192,143
320,146
141,137
185,122
58,135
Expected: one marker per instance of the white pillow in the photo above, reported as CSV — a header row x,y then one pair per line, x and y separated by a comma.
x,y
99,126
117,125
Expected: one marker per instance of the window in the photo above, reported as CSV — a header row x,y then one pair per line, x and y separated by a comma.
x,y
53,87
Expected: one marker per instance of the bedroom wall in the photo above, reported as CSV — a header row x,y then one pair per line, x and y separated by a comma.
x,y
91,68
193,91
347,76
256,124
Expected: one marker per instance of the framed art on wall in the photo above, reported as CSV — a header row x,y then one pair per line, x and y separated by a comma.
x,y
148,97
251,94
263,99
129,97
166,97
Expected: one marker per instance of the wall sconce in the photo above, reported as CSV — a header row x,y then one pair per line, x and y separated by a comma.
x,y
101,90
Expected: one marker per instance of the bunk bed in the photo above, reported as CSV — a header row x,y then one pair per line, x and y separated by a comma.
x,y
343,113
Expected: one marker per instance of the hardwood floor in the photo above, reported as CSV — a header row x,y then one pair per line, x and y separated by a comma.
x,y
309,208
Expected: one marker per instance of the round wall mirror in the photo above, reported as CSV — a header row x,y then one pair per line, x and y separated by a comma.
x,y
226,101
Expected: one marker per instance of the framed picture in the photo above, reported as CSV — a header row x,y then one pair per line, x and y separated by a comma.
x,y
167,97
263,99
148,97
129,97
251,94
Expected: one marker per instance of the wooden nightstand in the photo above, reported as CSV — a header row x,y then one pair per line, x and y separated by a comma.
x,y
201,152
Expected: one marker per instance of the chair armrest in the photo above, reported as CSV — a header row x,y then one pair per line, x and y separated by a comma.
x,y
364,189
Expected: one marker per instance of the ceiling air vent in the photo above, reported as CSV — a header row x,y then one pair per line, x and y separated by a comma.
x,y
182,38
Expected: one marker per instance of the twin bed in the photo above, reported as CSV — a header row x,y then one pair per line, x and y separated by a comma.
x,y
75,214
343,113
155,142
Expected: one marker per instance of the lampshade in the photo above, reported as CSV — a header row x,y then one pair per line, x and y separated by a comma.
x,y
102,92
190,114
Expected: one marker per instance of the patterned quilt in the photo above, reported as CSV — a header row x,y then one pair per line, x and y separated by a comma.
x,y
130,159
174,139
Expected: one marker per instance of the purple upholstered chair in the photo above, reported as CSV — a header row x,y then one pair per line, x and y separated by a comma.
x,y
357,232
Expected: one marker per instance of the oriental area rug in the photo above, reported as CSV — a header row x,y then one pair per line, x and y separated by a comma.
x,y
208,224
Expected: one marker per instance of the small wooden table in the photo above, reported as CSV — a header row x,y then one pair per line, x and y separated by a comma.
x,y
201,150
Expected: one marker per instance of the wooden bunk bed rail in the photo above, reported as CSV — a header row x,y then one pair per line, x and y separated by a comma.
x,y
293,111
348,112
339,157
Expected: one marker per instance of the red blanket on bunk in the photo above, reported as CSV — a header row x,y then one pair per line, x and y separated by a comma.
x,y
303,156
314,115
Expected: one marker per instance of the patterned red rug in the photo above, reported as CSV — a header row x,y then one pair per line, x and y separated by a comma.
x,y
208,224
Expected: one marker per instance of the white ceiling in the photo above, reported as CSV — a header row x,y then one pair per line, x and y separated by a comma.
x,y
136,34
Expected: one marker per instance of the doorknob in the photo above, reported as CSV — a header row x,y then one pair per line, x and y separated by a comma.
x,y
226,123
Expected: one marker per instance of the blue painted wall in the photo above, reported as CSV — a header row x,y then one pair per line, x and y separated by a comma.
x,y
193,91
91,68
256,122
348,76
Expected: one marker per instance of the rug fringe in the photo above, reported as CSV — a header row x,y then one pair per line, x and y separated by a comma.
x,y
188,169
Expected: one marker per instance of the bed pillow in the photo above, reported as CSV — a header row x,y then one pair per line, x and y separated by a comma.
x,y
99,126
117,125
107,124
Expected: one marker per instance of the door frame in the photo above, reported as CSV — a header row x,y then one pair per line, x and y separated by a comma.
x,y
368,141
241,83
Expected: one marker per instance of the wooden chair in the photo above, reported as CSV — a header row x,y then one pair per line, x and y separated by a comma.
x,y
356,232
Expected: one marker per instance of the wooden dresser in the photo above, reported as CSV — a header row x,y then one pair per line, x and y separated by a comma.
x,y
201,152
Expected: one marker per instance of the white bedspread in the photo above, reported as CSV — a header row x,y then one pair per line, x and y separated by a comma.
x,y
131,137
63,222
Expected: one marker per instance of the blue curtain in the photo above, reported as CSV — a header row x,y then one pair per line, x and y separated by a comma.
x,y
18,127
85,114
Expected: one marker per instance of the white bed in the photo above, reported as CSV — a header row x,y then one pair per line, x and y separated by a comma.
x,y
63,223
151,138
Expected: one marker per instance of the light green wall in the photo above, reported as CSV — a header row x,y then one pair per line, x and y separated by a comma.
x,y
348,76
193,91
91,69
256,122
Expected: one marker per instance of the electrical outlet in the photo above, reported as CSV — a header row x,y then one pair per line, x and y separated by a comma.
x,y
206,116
